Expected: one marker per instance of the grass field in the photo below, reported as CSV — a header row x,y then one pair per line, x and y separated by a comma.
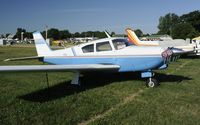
x,y
103,99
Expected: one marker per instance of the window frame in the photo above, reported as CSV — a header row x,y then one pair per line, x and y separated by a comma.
x,y
111,48
87,46
126,43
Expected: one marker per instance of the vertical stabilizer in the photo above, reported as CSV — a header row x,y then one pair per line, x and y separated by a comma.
x,y
132,37
41,45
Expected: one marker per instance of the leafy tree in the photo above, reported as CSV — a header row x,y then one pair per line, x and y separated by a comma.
x,y
112,34
193,18
77,34
85,34
7,34
18,33
53,33
2,36
145,35
100,34
64,34
183,31
28,35
167,22
138,32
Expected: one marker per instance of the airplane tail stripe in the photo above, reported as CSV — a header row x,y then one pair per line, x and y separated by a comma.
x,y
132,38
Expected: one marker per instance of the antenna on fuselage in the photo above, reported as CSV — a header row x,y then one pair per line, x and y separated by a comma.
x,y
107,34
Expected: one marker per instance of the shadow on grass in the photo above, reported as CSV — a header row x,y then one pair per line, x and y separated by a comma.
x,y
190,57
171,78
90,81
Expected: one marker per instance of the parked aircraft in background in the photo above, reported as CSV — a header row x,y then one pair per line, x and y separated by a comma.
x,y
191,48
108,55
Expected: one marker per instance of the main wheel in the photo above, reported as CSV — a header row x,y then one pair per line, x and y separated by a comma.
x,y
151,82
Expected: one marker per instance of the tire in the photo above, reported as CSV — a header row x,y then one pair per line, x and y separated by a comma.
x,y
153,83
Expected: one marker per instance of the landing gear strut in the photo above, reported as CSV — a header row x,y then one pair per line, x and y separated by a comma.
x,y
151,83
76,79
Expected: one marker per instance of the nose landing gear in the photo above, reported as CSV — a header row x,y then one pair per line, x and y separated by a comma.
x,y
151,83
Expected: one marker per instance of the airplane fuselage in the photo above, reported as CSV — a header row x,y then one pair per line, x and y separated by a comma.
x,y
129,58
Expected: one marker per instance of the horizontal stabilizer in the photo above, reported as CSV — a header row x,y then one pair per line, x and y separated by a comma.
x,y
38,68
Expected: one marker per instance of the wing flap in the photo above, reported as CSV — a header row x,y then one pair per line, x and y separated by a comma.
x,y
38,68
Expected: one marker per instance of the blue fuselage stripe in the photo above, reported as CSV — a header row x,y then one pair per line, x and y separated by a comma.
x,y
126,63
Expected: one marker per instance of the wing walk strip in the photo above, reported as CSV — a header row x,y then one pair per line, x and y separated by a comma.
x,y
112,109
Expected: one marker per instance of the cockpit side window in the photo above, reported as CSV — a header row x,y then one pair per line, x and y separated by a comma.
x,y
120,43
103,46
88,48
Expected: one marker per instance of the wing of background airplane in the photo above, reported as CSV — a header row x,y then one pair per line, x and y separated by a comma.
x,y
38,68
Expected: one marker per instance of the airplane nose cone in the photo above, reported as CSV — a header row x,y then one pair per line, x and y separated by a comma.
x,y
171,54
167,53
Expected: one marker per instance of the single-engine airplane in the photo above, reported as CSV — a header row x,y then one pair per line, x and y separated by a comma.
x,y
109,54
189,48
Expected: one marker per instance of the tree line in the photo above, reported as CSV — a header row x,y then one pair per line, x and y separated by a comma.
x,y
182,27
57,34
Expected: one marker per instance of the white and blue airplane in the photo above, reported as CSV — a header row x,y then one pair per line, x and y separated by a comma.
x,y
108,54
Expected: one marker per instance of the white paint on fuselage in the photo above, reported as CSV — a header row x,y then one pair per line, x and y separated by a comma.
x,y
127,51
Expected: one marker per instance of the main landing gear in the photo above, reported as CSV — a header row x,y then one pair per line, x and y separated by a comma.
x,y
151,82
76,79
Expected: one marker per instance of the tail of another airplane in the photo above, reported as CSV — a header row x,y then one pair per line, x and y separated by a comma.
x,y
132,37
41,45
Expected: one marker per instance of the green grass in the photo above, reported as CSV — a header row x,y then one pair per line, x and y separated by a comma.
x,y
103,99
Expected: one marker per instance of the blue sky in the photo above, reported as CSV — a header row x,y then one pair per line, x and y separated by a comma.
x,y
84,15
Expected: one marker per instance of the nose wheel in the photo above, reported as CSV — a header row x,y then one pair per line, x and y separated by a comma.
x,y
151,83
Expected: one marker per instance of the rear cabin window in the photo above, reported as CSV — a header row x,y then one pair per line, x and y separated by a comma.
x,y
103,46
88,48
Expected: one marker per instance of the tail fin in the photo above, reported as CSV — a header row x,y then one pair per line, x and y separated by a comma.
x,y
41,45
132,37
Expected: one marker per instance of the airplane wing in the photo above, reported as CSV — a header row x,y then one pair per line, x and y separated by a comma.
x,y
38,68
